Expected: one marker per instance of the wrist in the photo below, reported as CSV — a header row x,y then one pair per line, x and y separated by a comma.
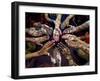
x,y
39,53
80,46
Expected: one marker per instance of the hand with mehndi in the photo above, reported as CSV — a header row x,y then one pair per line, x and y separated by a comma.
x,y
70,29
37,40
61,31
46,47
56,34
75,42
42,51
72,40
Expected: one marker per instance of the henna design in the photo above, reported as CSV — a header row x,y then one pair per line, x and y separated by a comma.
x,y
61,32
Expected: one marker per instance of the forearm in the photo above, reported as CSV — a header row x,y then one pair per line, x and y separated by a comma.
x,y
83,54
85,49
31,55
82,26
84,46
38,39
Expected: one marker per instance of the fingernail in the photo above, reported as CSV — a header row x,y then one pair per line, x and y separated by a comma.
x,y
53,41
63,36
48,54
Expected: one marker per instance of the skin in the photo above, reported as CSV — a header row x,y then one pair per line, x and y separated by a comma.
x,y
65,23
79,28
71,40
37,40
42,51
75,42
65,50
39,29
44,28
56,32
33,32
70,29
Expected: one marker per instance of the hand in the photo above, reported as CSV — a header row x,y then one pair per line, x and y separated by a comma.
x,y
56,34
33,31
71,29
72,40
43,51
46,47
63,48
37,40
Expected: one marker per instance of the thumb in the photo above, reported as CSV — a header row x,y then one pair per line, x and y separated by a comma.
x,y
45,53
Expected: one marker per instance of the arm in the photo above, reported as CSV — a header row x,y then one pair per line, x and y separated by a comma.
x,y
37,40
79,28
42,51
57,22
66,51
75,42
31,55
66,21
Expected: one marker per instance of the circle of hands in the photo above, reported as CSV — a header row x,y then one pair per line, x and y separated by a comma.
x,y
42,32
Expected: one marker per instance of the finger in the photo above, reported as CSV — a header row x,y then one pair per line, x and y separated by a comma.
x,y
60,45
67,41
59,48
50,46
71,37
47,44
30,39
71,44
50,43
45,53
66,36
63,47
39,44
